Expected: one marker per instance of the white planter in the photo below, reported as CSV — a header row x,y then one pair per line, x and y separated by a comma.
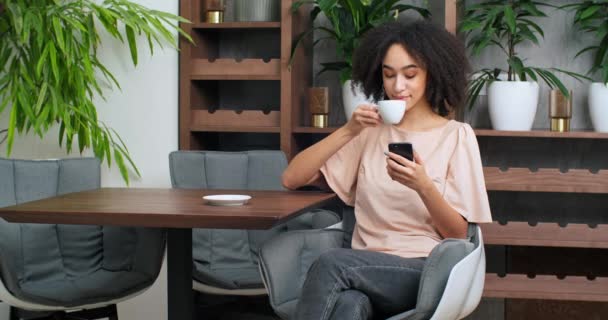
x,y
512,104
352,100
598,106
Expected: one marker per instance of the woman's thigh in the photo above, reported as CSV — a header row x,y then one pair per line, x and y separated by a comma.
x,y
390,282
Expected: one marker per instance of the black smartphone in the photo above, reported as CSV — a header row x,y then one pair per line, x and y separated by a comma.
x,y
403,149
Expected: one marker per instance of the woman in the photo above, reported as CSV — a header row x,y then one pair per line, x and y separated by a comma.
x,y
403,208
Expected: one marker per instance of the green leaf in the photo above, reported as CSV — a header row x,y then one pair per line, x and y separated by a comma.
x,y
120,162
53,56
132,44
58,33
589,12
12,123
510,18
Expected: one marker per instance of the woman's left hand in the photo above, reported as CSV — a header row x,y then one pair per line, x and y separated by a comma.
x,y
409,173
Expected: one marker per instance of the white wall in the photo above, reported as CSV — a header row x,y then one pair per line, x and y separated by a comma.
x,y
145,115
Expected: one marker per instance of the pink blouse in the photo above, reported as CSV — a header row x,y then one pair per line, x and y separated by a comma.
x,y
391,217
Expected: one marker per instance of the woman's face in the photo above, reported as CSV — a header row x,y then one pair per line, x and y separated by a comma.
x,y
403,77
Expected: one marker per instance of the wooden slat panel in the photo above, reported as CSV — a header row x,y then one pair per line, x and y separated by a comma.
x,y
542,134
231,69
229,120
546,180
546,235
546,287
238,25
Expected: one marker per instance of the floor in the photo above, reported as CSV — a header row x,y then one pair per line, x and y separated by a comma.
x,y
234,308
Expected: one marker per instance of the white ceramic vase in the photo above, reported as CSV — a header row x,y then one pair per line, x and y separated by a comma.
x,y
598,106
351,99
512,104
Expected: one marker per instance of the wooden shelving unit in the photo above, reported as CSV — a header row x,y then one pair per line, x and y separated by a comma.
x,y
229,68
238,25
546,235
542,134
546,180
567,159
546,287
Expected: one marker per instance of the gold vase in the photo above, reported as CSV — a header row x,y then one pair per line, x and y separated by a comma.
x,y
560,111
318,105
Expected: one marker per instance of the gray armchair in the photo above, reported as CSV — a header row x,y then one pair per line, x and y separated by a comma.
x,y
59,268
226,261
450,286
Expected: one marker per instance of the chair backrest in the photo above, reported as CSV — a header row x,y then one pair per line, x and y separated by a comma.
x,y
221,255
33,255
252,170
464,288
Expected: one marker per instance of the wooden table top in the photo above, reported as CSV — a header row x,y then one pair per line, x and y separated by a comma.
x,y
166,208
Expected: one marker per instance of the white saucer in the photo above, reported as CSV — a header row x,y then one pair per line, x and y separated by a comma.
x,y
227,199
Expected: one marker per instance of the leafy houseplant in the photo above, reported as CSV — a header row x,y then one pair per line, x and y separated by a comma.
x,y
349,20
592,17
50,69
507,24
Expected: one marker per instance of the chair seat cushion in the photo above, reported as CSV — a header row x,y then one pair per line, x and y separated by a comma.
x,y
229,278
85,289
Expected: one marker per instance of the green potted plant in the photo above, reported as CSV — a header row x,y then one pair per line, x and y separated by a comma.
x,y
349,21
507,24
592,17
51,72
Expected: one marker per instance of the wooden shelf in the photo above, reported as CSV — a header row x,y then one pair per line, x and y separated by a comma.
x,y
233,121
225,128
546,180
546,287
542,134
546,235
238,25
231,69
314,130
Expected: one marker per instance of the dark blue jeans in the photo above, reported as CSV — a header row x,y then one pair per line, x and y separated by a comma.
x,y
355,284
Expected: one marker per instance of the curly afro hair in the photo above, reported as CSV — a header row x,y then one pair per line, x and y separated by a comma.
x,y
437,51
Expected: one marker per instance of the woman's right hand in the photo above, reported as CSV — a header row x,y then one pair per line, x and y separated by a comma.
x,y
366,115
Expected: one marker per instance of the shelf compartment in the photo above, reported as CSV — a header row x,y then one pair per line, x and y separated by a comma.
x,y
546,235
231,69
546,180
233,121
546,287
238,25
542,134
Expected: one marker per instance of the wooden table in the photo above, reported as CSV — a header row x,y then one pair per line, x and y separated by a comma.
x,y
179,211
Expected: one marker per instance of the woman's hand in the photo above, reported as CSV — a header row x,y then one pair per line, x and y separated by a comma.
x,y
409,173
366,115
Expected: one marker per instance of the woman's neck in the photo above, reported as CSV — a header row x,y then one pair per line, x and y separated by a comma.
x,y
421,118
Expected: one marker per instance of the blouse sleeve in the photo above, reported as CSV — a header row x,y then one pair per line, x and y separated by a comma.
x,y
341,169
465,184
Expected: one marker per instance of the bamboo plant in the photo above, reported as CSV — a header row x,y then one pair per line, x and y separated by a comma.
x,y
50,70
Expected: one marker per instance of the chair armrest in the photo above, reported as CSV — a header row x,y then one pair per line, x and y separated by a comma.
x,y
285,260
314,219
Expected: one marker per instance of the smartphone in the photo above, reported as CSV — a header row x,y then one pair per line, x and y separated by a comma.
x,y
403,149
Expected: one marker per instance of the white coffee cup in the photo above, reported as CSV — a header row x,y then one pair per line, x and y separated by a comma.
x,y
391,111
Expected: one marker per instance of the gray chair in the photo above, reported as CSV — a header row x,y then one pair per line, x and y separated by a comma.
x,y
450,286
64,269
226,261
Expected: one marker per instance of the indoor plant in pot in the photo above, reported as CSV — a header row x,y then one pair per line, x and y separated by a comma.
x,y
51,72
507,24
349,20
592,17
